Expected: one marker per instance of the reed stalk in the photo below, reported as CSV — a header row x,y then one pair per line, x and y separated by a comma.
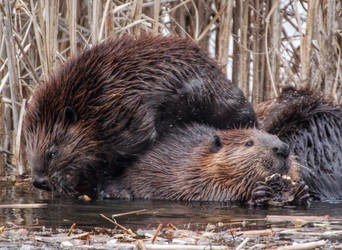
x,y
262,45
306,53
72,17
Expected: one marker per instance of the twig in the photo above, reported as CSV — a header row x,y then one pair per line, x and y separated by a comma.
x,y
157,232
207,28
282,218
34,205
71,229
243,243
170,225
309,245
129,231
259,232
128,213
79,236
184,247
183,3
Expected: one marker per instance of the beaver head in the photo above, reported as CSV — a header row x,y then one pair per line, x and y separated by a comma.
x,y
61,151
237,159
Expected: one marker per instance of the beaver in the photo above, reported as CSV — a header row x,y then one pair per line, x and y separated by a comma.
x,y
104,107
312,126
200,163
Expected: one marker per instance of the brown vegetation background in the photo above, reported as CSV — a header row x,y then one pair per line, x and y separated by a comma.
x,y
262,45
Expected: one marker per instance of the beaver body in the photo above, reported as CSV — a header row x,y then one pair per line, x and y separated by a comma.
x,y
103,108
312,126
199,163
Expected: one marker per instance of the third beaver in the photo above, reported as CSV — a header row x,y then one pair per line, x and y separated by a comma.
x,y
311,125
204,164
104,107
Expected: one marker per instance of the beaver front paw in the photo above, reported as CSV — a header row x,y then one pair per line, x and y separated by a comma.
x,y
261,194
301,195
285,191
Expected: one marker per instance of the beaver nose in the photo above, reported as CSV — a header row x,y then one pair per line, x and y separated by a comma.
x,y
41,183
282,150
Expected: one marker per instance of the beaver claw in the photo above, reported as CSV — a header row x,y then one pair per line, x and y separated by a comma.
x,y
261,194
280,191
302,195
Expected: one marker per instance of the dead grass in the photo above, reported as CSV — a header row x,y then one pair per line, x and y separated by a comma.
x,y
262,45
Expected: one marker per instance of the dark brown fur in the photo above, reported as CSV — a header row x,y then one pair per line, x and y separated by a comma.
x,y
312,126
202,164
109,104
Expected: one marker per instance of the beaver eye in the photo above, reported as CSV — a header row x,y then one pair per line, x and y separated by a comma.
x,y
250,143
52,154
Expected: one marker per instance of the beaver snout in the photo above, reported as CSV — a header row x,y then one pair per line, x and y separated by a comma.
x,y
282,150
41,183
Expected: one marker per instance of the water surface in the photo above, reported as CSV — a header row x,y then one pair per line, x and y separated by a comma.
x,y
64,212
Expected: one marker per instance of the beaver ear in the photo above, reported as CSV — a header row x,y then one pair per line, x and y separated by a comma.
x,y
216,144
70,115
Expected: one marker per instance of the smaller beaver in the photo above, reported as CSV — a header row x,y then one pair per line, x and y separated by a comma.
x,y
311,125
200,163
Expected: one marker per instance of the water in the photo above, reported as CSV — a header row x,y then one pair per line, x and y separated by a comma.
x,y
205,223
61,213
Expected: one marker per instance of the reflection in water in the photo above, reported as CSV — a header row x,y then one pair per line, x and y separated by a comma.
x,y
62,213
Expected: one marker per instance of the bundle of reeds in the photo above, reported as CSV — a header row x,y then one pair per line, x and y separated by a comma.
x,y
261,45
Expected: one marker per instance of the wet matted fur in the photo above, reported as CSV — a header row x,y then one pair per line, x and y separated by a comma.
x,y
104,107
312,126
204,164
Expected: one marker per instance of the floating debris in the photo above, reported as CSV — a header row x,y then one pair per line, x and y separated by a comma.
x,y
35,205
226,235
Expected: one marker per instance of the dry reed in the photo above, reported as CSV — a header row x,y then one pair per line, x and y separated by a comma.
x,y
261,45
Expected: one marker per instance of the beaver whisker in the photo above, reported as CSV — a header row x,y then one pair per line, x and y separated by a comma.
x,y
303,167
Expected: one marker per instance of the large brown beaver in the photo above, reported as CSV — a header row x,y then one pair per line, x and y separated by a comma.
x,y
312,126
103,108
199,163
